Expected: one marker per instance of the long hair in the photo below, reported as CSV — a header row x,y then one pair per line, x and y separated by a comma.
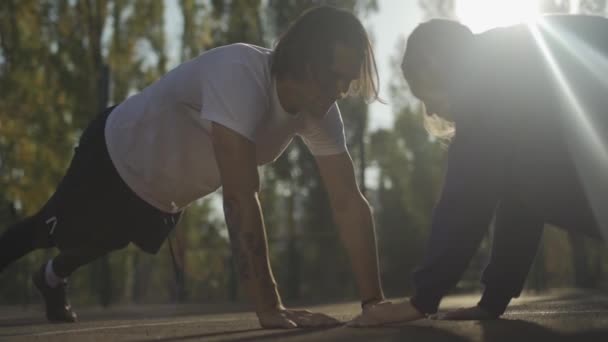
x,y
309,42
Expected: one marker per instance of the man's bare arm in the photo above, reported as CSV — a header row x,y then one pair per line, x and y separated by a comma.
x,y
236,159
352,214
236,156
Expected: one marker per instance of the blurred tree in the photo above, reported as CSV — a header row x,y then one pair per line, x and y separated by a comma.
x,y
597,7
197,23
438,8
409,163
43,82
53,76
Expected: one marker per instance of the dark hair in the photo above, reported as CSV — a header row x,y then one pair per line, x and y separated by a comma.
x,y
436,37
443,39
310,40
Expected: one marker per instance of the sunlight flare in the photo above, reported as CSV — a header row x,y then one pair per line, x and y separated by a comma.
x,y
482,15
584,141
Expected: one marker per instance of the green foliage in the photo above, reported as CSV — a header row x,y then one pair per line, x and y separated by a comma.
x,y
51,74
409,166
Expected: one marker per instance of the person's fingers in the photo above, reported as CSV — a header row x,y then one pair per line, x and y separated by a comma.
x,y
301,312
307,319
302,320
361,321
454,315
325,320
386,313
277,321
296,318
288,324
353,323
465,314
367,318
448,315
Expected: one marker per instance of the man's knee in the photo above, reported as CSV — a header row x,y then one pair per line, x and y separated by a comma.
x,y
33,229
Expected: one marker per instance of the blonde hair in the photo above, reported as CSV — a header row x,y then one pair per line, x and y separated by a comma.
x,y
439,128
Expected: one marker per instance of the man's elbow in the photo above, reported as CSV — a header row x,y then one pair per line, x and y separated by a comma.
x,y
235,202
239,198
355,204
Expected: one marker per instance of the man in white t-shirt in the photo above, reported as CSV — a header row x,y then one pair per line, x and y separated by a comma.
x,y
209,123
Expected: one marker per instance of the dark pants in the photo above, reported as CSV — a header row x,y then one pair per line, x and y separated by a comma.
x,y
517,234
91,213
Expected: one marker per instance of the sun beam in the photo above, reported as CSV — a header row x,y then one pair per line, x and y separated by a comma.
x,y
586,144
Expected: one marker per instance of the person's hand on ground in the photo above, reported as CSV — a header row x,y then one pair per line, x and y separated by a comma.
x,y
474,313
384,313
287,319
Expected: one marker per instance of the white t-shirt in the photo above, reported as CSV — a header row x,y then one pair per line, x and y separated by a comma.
x,y
160,139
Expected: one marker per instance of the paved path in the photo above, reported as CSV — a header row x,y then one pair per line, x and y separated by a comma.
x,y
561,316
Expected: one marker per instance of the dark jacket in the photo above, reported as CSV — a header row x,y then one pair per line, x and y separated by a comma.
x,y
520,138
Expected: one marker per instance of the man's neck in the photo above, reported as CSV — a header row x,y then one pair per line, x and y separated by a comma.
x,y
286,91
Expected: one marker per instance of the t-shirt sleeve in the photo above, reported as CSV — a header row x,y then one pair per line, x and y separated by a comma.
x,y
325,136
234,96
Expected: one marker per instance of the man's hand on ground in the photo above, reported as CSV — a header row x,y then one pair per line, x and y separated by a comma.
x,y
384,313
287,319
474,313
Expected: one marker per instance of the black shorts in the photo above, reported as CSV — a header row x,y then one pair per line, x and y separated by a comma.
x,y
93,206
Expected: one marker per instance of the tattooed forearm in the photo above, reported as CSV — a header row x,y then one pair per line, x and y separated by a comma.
x,y
248,248
255,245
250,252
233,221
232,214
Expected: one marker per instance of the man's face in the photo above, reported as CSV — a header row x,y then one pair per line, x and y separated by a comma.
x,y
323,87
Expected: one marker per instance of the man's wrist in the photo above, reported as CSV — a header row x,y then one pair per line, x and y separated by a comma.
x,y
262,309
371,301
266,298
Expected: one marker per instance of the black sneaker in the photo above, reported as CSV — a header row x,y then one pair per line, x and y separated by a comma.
x,y
58,309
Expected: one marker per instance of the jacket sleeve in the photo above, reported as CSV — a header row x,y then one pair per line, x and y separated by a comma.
x,y
470,193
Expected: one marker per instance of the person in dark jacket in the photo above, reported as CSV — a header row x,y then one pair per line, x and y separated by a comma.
x,y
528,113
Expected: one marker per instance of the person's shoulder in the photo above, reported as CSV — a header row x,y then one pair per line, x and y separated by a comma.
x,y
501,48
241,52
503,37
238,56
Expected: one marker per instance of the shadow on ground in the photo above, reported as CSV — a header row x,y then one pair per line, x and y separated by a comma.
x,y
342,333
509,330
